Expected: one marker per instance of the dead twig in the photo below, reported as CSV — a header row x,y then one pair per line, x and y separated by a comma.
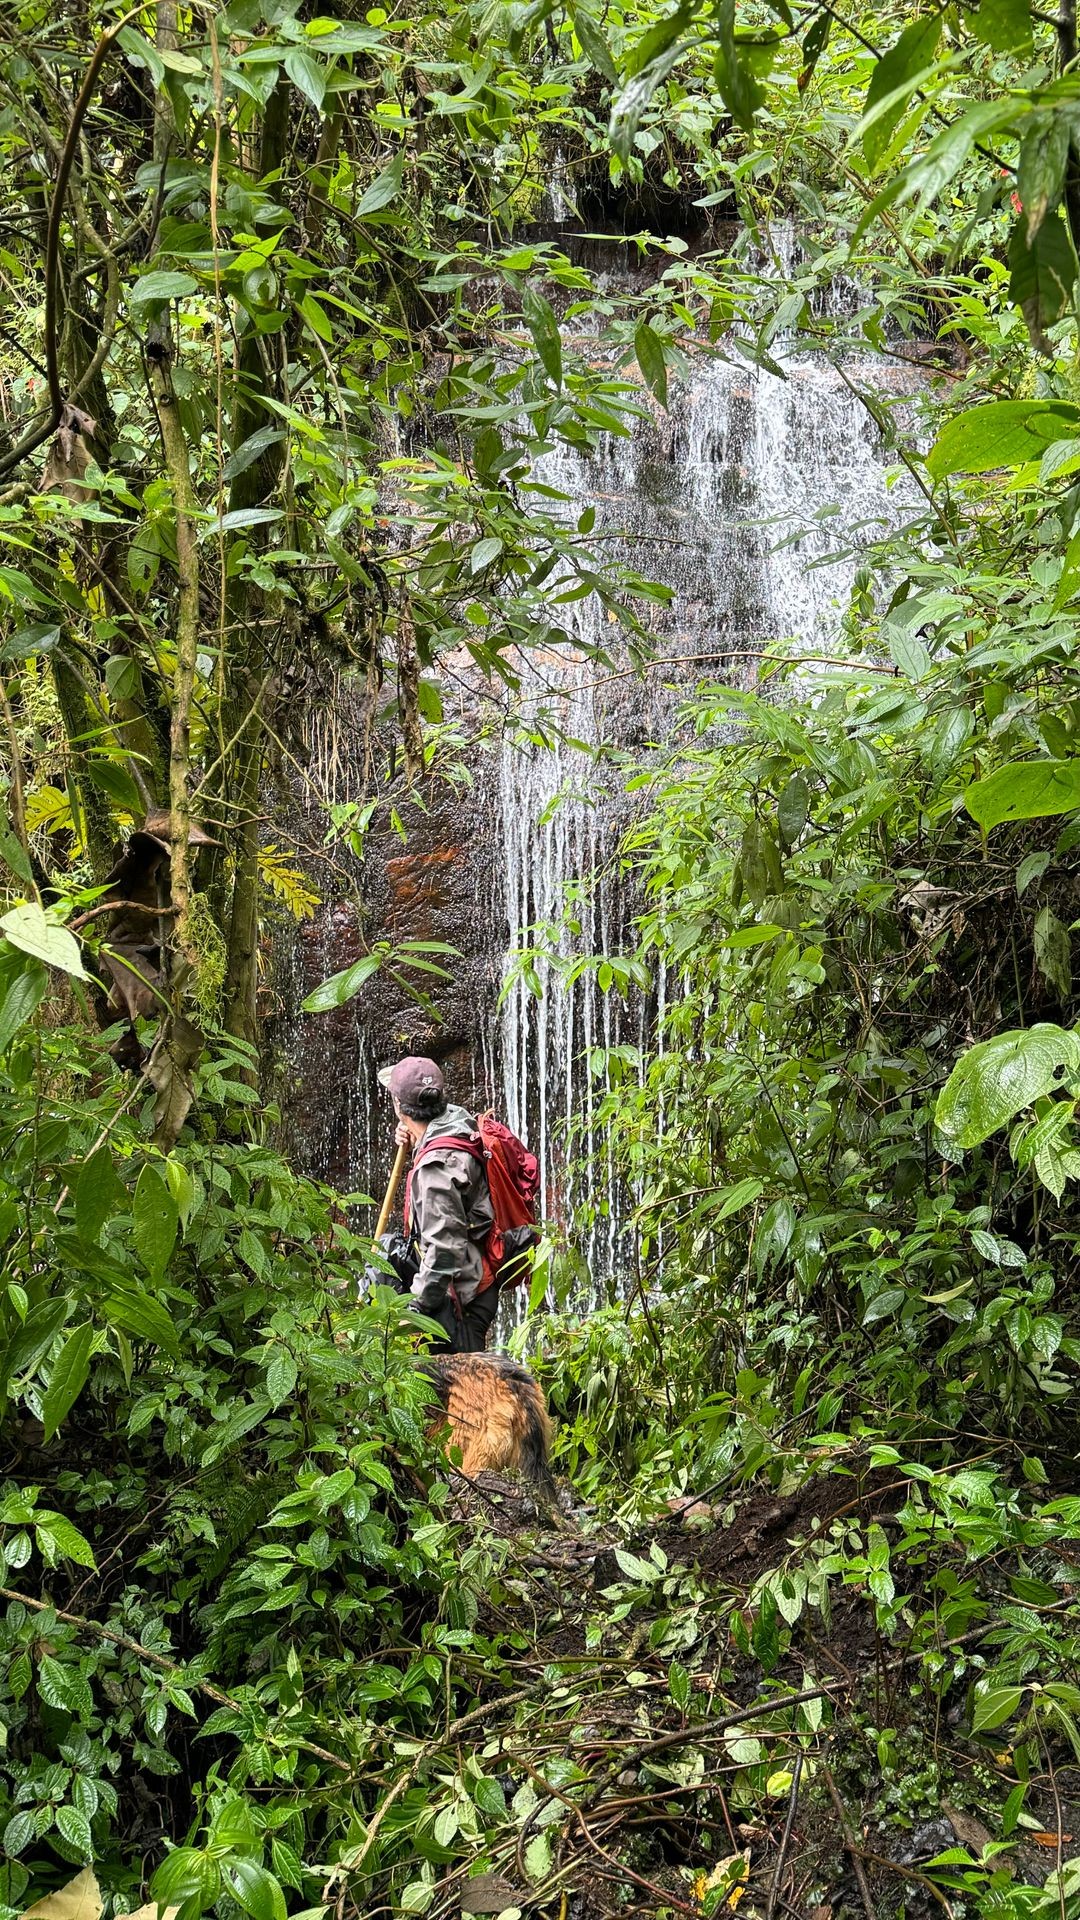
x,y
850,1847
785,1838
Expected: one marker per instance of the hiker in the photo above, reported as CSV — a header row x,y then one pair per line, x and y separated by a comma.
x,y
448,1210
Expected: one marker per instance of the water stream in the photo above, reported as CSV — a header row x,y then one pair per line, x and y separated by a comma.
x,y
750,498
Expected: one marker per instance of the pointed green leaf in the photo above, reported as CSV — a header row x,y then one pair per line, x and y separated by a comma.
x,y
649,348
99,1194
1042,274
1024,790
156,1220
68,1378
894,80
384,188
28,928
542,324
994,1081
1002,433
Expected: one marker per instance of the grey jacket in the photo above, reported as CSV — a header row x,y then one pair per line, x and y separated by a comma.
x,y
451,1215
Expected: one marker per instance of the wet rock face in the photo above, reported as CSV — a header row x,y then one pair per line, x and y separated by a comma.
x,y
437,886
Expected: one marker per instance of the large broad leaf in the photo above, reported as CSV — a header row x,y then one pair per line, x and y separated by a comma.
x,y
1004,25
1003,433
28,928
155,287
893,80
997,1079
156,1220
1042,273
542,324
593,44
79,1900
649,349
142,1316
22,987
1040,170
1024,790
385,187
341,986
68,1378
99,1194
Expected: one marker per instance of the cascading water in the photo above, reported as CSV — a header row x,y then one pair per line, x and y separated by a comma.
x,y
749,500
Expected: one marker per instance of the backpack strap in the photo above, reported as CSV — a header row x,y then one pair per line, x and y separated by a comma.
x,y
459,1143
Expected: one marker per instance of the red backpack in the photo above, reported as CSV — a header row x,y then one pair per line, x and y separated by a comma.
x,y
513,1177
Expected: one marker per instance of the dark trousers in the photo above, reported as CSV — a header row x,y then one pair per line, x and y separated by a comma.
x,y
467,1328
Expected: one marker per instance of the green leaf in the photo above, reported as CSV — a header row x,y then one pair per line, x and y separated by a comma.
x,y
156,1220
68,1543
997,1079
74,1827
765,1635
743,1194
116,782
307,74
593,44
484,552
28,928
1032,867
894,80
384,188
538,1858
250,450
257,1891
154,288
542,324
631,103
909,653
992,1709
793,808
225,1434
341,986
1024,790
734,76
68,1378
138,1313
649,349
316,317
1042,274
1053,955
1040,172
1001,433
22,988
1003,25
99,1194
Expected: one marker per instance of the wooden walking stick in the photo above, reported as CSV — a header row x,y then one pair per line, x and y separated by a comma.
x,y
390,1196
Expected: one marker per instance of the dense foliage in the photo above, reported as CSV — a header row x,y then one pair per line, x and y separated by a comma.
x,y
281,345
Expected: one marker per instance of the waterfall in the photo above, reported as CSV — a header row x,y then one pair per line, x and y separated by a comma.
x,y
750,499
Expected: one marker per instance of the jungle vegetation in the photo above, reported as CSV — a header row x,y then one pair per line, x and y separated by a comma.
x,y
282,337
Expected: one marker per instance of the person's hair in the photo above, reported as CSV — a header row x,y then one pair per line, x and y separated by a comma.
x,y
426,1104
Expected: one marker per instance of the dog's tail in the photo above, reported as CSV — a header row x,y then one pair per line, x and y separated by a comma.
x,y
535,1444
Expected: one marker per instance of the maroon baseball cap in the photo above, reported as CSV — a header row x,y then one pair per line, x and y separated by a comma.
x,y
411,1076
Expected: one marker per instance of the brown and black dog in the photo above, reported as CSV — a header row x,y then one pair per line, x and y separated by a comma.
x,y
497,1416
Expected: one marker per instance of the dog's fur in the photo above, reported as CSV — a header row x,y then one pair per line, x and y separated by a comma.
x,y
497,1416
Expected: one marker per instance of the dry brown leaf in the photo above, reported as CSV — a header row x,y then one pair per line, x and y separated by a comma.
x,y
969,1831
1050,1839
79,1900
150,1912
489,1893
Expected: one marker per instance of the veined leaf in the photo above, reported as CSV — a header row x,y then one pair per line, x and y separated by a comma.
x,y
99,1193
384,188
68,1378
28,928
542,324
342,986
893,82
649,349
1024,790
994,1081
1002,433
156,1220
1003,25
1042,273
